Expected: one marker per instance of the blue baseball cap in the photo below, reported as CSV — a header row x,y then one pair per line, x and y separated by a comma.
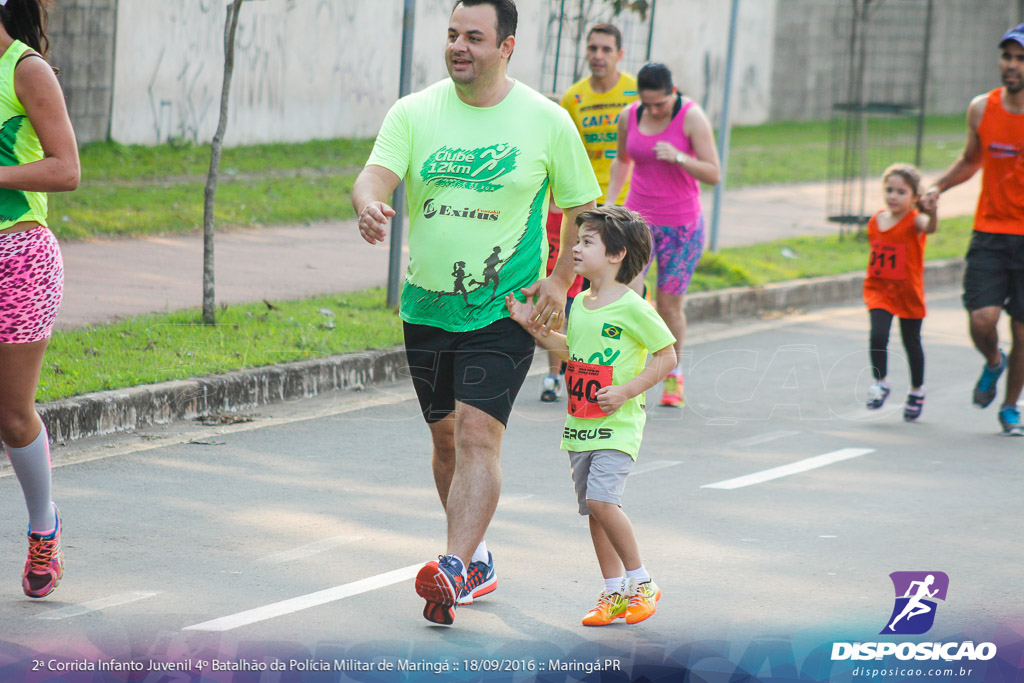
x,y
1016,34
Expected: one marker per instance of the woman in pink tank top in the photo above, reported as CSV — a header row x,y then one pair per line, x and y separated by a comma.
x,y
667,141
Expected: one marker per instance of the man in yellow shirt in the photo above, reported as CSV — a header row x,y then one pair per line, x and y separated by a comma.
x,y
594,104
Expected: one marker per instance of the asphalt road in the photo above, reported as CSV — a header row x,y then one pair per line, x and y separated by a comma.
x,y
297,535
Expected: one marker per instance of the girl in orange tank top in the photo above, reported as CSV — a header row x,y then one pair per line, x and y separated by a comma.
x,y
894,284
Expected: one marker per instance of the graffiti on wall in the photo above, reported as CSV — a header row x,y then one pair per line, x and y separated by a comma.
x,y
289,82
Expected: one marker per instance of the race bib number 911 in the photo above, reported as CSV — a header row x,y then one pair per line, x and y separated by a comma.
x,y
888,261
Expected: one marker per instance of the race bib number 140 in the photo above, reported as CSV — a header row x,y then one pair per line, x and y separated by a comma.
x,y
582,382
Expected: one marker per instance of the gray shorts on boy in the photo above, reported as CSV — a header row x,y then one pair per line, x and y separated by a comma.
x,y
599,475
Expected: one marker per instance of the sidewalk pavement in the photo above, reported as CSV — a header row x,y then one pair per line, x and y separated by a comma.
x,y
111,278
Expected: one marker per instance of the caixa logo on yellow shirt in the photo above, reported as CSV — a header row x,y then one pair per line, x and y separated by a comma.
x,y
472,169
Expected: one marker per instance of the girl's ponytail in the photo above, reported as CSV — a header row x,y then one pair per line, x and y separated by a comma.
x,y
25,20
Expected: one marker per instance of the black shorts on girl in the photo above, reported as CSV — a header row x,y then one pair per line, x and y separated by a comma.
x,y
482,368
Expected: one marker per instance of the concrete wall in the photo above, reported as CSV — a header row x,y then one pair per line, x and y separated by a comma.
x,y
691,38
303,68
809,54
329,68
82,46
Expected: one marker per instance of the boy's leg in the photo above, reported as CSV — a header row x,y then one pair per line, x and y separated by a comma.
x,y
607,557
615,529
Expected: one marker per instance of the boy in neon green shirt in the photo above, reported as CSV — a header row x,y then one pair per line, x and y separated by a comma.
x,y
611,330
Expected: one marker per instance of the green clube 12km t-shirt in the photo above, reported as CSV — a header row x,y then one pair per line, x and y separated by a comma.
x,y
477,180
616,338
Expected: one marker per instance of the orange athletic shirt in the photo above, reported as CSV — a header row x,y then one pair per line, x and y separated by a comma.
x,y
895,277
1001,202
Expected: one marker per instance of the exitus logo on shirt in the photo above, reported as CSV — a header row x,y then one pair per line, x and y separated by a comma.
x,y
430,209
473,169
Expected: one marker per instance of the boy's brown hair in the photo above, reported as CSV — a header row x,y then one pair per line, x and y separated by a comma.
x,y
621,230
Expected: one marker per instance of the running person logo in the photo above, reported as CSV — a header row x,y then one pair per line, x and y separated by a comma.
x,y
471,169
914,610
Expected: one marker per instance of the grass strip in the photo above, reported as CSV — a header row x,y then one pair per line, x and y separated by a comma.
x,y
161,347
802,257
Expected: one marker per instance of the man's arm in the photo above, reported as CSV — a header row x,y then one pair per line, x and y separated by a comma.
x,y
550,292
370,194
621,164
968,163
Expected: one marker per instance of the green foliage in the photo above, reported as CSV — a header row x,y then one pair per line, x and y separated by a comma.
x,y
641,7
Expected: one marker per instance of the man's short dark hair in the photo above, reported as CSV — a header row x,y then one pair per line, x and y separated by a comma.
x,y
508,16
609,30
621,230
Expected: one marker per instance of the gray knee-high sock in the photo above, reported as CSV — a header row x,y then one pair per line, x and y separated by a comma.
x,y
32,466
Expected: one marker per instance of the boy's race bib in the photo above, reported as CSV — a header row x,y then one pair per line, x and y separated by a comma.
x,y
582,382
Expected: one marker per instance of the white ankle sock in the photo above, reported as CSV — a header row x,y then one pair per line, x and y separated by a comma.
x,y
640,574
480,554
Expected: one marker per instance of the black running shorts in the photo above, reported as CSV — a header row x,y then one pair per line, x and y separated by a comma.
x,y
995,273
483,368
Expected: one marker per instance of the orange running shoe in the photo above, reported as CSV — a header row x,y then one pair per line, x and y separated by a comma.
x,y
673,395
45,564
442,585
643,600
611,605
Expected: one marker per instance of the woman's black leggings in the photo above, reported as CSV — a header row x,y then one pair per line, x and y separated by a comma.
x,y
910,330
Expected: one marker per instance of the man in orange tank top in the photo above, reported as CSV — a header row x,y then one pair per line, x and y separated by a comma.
x,y
994,278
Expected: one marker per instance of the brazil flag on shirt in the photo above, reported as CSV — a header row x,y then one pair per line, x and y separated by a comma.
x,y
477,180
619,334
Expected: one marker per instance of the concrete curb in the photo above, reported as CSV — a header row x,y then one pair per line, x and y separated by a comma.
x,y
108,412
807,293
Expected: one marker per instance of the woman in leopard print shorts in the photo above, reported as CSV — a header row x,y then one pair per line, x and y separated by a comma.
x,y
38,154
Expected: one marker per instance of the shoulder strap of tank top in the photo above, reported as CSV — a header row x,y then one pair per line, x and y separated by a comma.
x,y
29,53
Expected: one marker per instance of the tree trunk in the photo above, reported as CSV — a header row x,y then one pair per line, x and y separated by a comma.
x,y
209,302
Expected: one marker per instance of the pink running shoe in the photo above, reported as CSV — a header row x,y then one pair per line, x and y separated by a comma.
x,y
45,564
673,395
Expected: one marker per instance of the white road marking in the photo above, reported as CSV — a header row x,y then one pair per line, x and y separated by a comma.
x,y
792,468
309,549
761,439
97,605
646,467
279,609
513,498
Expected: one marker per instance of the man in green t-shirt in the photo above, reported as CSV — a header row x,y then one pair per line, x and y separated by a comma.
x,y
479,153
